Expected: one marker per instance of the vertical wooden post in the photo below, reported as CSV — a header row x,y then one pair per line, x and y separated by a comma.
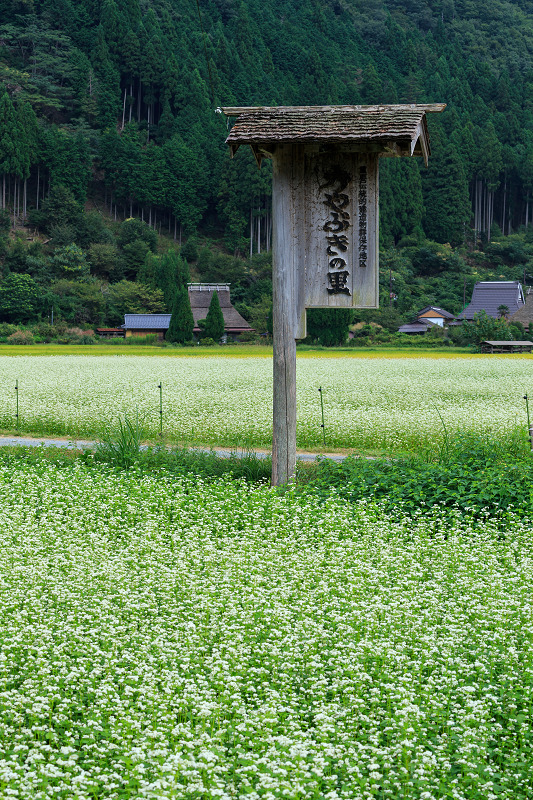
x,y
284,314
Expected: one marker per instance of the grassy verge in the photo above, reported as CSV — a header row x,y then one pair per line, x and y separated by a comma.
x,y
481,477
477,477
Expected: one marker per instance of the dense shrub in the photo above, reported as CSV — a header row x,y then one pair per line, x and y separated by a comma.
x,y
21,337
476,475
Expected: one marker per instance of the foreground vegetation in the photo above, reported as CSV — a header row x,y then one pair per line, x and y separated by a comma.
x,y
163,637
371,404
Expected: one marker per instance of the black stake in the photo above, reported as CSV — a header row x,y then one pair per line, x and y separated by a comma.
x,y
529,429
160,387
322,409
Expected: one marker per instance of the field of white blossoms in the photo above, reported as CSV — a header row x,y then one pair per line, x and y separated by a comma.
x,y
165,639
385,404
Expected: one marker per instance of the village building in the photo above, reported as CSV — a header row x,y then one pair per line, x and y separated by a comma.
x,y
429,317
146,324
200,295
524,315
491,296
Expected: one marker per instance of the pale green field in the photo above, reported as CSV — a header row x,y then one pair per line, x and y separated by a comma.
x,y
373,403
168,639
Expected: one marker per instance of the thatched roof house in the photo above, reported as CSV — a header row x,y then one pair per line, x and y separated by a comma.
x,y
524,315
200,295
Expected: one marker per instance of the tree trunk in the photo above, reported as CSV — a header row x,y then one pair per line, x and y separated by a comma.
x,y
131,101
258,234
37,192
251,232
124,110
175,227
504,203
25,200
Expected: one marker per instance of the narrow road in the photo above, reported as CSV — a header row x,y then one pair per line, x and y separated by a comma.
x,y
83,444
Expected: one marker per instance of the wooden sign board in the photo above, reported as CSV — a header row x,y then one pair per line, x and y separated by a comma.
x,y
325,221
329,239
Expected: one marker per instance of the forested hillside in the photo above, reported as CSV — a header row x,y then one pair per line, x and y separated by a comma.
x,y
113,102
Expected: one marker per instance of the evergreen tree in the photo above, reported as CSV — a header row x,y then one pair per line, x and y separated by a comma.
x,y
329,325
170,273
9,156
446,200
400,197
214,322
181,322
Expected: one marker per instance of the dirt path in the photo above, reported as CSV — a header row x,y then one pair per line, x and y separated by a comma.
x,y
84,444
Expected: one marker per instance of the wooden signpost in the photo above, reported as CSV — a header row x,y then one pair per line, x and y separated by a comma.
x,y
325,200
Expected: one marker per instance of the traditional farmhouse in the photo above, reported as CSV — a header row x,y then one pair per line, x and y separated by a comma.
x,y
427,319
524,315
200,295
490,296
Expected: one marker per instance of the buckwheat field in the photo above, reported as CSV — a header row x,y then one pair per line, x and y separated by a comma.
x,y
168,639
370,403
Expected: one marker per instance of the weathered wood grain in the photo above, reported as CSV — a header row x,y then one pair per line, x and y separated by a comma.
x,y
284,284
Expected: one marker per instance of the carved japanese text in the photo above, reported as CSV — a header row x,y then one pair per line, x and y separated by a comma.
x,y
362,203
337,202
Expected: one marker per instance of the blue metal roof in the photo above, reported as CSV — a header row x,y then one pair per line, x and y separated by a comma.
x,y
147,321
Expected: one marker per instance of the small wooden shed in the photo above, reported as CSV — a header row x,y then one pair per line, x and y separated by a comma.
x,y
489,346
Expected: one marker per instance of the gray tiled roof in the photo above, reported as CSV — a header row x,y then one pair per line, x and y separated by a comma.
x,y
488,295
147,321
327,123
415,327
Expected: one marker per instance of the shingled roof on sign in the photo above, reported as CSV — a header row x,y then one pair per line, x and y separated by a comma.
x,y
394,130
